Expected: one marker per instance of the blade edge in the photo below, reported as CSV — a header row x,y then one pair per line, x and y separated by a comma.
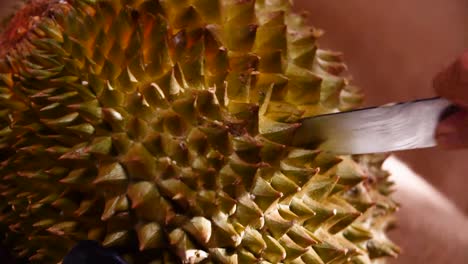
x,y
402,126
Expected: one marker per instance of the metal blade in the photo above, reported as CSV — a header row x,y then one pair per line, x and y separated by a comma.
x,y
395,127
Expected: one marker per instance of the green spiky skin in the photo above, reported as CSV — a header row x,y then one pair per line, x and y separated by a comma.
x,y
163,127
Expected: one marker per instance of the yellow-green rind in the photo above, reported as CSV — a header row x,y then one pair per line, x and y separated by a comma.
x,y
163,127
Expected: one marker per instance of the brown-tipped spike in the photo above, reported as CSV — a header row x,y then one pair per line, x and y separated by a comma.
x,y
253,241
276,224
141,192
114,205
150,235
116,238
383,248
274,252
200,228
293,250
76,177
111,173
221,255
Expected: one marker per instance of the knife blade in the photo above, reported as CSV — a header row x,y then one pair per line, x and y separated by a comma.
x,y
401,126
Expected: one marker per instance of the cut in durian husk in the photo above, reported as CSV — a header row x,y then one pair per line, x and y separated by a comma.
x,y
163,128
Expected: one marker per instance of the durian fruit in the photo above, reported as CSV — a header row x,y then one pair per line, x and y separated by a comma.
x,y
162,128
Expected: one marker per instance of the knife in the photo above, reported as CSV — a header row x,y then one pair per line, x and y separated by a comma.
x,y
401,126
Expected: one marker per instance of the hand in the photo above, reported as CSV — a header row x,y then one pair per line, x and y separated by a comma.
x,y
452,83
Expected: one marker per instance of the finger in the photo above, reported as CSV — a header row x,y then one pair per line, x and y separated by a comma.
x,y
452,83
452,132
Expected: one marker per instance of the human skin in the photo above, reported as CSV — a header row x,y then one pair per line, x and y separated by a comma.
x,y
452,83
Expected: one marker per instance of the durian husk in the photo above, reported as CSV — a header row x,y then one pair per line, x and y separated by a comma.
x,y
163,129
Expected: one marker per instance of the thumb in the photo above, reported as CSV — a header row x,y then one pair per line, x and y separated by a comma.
x,y
452,83
452,131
